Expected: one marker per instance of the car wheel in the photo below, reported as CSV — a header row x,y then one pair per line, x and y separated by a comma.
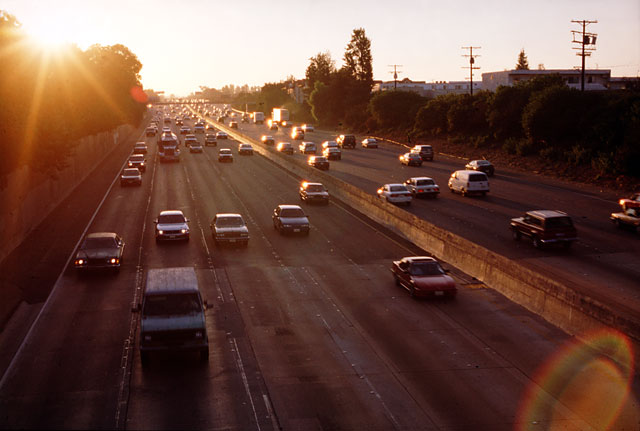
x,y
516,234
412,292
463,192
536,242
484,193
204,355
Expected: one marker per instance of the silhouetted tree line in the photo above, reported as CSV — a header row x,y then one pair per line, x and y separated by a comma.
x,y
52,98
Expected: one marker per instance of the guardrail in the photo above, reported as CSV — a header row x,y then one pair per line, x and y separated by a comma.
x,y
561,305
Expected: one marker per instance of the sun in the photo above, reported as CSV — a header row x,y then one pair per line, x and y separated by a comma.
x,y
54,32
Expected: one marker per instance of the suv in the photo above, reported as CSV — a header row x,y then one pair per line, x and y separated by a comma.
x,y
346,141
544,227
173,314
425,151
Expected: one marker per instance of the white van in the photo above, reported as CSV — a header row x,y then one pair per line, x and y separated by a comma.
x,y
468,182
173,317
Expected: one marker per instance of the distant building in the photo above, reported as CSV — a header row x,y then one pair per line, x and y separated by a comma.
x,y
595,79
425,89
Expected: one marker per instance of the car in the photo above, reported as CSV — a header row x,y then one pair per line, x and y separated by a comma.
x,y
131,176
285,147
210,139
195,147
314,192
290,219
198,128
422,187
423,277
481,166
332,153
330,144
211,127
187,117
411,159
425,151
220,119
297,133
469,182
267,140
272,125
631,202
545,227
222,135
137,161
245,149
346,141
306,128
100,250
184,130
369,143
140,148
629,218
151,131
190,139
166,130
233,124
320,162
179,121
395,194
307,147
225,155
171,225
229,228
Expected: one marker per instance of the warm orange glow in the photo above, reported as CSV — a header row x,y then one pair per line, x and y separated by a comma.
x,y
138,94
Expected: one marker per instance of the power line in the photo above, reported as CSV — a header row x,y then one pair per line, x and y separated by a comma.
x,y
395,74
586,42
472,61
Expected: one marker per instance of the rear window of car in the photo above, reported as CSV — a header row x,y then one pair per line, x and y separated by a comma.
x,y
425,182
558,222
398,188
477,177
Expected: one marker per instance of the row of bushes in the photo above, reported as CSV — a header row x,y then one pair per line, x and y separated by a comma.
x,y
51,98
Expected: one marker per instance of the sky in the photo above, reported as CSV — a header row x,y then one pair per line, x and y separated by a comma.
x,y
186,44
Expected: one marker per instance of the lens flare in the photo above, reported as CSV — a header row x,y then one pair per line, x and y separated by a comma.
x,y
138,94
588,381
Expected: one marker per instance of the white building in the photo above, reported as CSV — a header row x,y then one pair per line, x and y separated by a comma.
x,y
595,79
431,90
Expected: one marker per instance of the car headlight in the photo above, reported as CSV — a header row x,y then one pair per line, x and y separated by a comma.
x,y
160,232
184,230
80,262
114,260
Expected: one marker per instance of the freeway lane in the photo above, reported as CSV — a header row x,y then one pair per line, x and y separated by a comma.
x,y
604,262
305,332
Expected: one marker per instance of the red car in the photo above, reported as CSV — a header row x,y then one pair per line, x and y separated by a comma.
x,y
423,276
632,202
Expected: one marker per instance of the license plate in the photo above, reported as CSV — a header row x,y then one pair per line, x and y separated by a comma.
x,y
232,240
439,293
296,230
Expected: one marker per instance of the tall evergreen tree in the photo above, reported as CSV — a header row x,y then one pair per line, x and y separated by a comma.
x,y
357,57
523,63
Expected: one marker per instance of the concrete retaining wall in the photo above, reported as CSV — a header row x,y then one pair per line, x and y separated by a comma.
x,y
29,197
557,303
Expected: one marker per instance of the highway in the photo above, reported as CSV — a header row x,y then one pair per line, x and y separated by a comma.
x,y
304,332
604,262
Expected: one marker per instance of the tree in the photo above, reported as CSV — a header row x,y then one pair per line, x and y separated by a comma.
x,y
320,68
523,63
357,57
396,109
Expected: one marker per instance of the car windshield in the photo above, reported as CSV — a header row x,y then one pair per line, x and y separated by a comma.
x,y
171,218
425,268
229,222
171,305
315,188
104,242
483,163
292,212
136,158
398,188
425,182
558,222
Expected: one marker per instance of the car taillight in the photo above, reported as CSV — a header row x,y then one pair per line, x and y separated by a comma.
x,y
436,189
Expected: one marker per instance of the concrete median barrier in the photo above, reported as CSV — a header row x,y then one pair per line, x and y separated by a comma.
x,y
559,304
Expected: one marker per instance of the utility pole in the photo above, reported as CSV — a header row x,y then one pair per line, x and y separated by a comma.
x,y
586,44
395,74
471,64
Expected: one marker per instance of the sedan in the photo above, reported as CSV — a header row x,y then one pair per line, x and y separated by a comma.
x,y
411,159
222,135
314,192
267,140
140,148
422,187
210,139
172,225
423,276
285,147
185,130
307,148
233,124
395,194
290,218
195,147
225,155
229,228
100,250
481,165
332,153
306,128
320,162
137,161
189,140
369,143
245,149
131,176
